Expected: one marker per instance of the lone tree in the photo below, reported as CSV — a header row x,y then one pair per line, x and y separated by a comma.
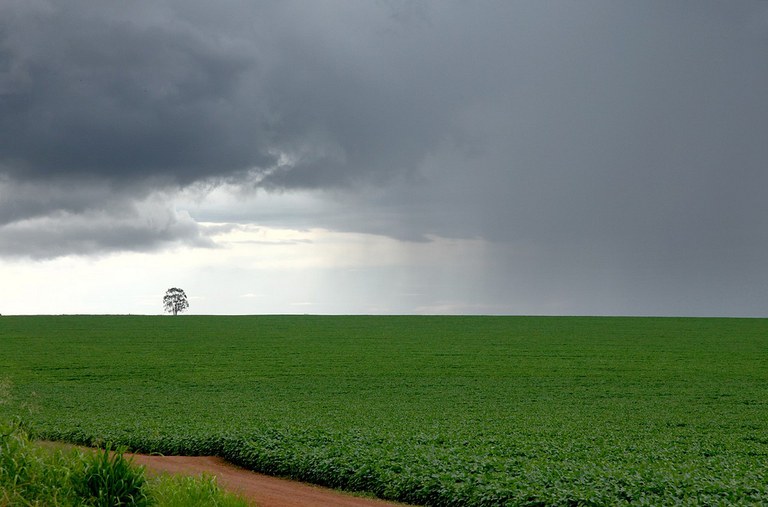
x,y
175,301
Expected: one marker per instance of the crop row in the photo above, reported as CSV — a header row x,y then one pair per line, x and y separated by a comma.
x,y
438,470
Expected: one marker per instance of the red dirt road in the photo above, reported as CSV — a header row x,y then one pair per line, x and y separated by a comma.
x,y
264,490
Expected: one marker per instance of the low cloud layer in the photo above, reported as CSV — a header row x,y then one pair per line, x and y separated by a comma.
x,y
140,227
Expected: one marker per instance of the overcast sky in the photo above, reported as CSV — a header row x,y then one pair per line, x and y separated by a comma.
x,y
502,157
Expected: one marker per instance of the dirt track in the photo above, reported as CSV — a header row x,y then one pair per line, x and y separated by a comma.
x,y
264,490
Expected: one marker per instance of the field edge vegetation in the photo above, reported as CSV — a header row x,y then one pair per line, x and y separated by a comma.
x,y
36,475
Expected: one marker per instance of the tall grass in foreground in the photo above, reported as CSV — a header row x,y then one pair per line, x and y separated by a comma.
x,y
107,479
33,476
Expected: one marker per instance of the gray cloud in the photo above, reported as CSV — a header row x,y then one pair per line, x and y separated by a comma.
x,y
119,93
145,227
102,104
176,93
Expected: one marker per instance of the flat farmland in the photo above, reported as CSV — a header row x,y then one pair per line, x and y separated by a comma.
x,y
426,410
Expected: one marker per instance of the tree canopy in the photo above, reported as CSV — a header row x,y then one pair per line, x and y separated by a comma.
x,y
175,300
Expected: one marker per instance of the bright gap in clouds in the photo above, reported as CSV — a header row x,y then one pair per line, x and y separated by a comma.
x,y
257,270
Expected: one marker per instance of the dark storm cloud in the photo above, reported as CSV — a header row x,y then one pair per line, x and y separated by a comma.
x,y
120,92
329,94
175,93
104,103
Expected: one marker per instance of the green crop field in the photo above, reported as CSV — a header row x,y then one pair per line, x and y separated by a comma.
x,y
428,410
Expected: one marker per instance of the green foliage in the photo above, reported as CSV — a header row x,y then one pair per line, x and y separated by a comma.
x,y
31,475
185,491
107,479
431,410
175,301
